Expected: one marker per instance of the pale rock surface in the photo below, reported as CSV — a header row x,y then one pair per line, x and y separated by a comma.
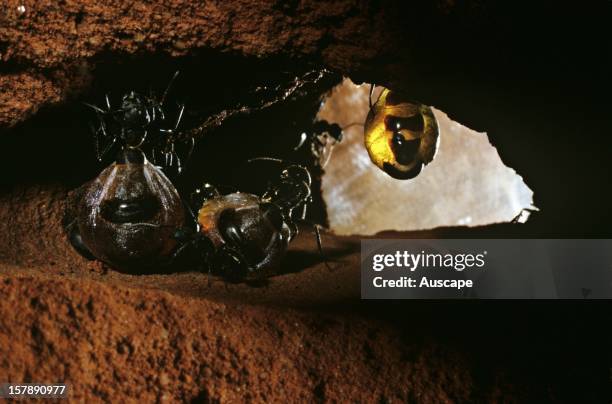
x,y
466,184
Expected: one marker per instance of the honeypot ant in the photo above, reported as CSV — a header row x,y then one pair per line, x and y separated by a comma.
x,y
241,237
128,214
401,136
133,218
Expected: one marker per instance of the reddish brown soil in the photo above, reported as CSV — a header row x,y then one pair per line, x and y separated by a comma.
x,y
304,337
52,40
175,337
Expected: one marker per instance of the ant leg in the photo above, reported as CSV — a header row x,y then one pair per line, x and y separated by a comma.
x,y
523,215
103,128
97,138
173,160
159,157
96,108
168,158
317,233
181,249
304,208
187,242
106,149
100,132
172,156
179,118
75,239
273,159
190,148
154,156
194,250
179,165
372,87
232,265
163,98
142,139
293,229
187,155
209,274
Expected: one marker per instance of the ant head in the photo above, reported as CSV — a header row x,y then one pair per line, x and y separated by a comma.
x,y
296,173
135,111
332,130
291,190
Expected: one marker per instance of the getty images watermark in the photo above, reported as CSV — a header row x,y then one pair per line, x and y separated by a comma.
x,y
489,269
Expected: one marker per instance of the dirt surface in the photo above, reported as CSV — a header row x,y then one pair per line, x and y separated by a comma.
x,y
182,337
49,40
305,336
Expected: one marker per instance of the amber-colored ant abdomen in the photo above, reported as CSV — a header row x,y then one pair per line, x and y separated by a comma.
x,y
400,135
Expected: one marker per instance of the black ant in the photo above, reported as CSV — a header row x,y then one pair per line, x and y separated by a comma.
x,y
136,119
133,218
242,236
127,216
319,140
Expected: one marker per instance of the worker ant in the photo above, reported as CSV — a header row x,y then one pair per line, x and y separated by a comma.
x,y
319,140
242,236
138,120
132,217
128,214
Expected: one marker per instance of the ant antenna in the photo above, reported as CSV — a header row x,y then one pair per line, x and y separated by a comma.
x,y
163,98
273,159
95,108
350,125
